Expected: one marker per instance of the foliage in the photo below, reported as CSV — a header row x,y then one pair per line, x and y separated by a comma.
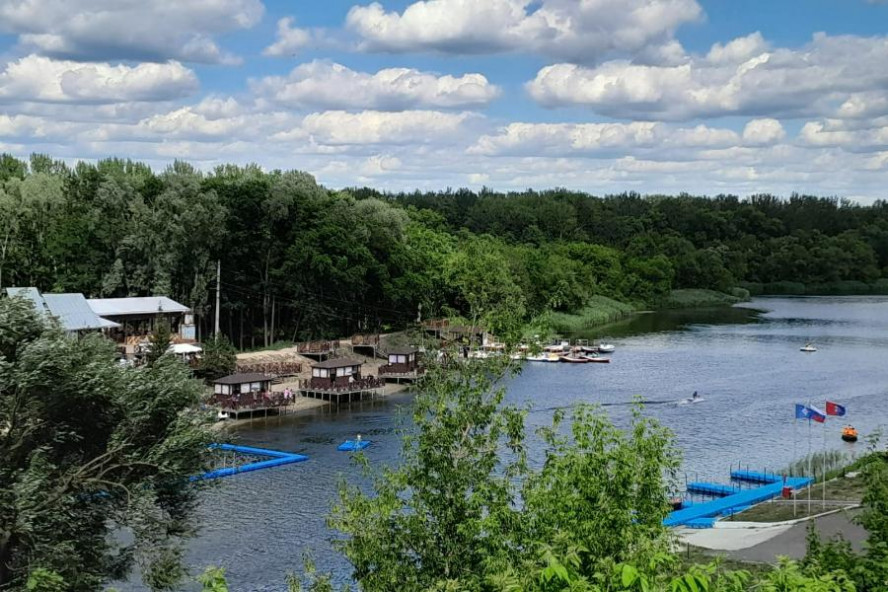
x,y
448,518
159,343
218,358
600,310
698,298
87,448
300,261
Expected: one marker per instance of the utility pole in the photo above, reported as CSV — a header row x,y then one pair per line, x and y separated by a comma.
x,y
218,290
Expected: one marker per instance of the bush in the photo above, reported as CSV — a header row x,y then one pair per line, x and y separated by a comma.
x,y
785,288
694,298
742,293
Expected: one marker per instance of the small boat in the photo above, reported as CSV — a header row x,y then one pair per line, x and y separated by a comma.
x,y
597,359
222,415
606,348
543,358
574,359
557,347
809,347
849,434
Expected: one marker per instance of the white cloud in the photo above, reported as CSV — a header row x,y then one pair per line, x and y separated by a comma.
x,y
290,39
762,132
330,85
853,138
378,127
379,164
739,78
569,29
598,139
36,78
128,29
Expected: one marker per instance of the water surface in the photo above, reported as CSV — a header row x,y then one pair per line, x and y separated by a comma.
x,y
744,363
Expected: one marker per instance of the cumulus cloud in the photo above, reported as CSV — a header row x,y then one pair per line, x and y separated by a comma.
x,y
330,85
870,137
36,78
289,39
128,29
567,29
378,127
598,139
739,78
762,132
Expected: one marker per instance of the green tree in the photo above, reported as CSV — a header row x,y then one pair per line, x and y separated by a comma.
x,y
88,448
217,359
159,342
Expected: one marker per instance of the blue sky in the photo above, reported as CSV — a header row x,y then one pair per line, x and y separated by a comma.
x,y
601,95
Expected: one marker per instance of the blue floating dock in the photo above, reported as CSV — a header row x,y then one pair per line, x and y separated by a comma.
x,y
755,477
277,459
353,445
712,489
703,515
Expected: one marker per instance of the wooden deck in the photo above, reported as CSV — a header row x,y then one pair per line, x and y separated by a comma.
x,y
355,391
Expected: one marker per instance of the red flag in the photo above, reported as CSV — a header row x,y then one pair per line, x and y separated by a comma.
x,y
834,409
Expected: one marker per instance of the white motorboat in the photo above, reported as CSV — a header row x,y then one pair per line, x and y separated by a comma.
x,y
606,348
809,347
544,357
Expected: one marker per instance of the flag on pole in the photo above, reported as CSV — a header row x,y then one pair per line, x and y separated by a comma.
x,y
834,409
809,412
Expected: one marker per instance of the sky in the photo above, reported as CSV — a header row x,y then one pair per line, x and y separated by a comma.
x,y
605,96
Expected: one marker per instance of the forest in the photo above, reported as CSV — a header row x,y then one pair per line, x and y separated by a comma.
x,y
301,261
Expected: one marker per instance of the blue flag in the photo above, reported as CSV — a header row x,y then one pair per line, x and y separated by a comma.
x,y
809,413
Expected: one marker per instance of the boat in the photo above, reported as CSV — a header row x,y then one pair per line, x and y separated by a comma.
x,y
809,347
543,358
606,348
597,359
222,416
574,359
849,434
557,347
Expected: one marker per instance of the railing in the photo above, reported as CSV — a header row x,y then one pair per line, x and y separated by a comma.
x,y
317,347
400,369
364,384
276,368
365,340
251,401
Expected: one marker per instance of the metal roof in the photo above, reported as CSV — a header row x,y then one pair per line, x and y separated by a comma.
x,y
244,378
337,363
32,294
144,305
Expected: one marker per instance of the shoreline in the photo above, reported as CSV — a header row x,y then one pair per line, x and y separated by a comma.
x,y
301,407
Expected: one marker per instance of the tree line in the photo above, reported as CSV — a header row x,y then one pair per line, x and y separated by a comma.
x,y
300,261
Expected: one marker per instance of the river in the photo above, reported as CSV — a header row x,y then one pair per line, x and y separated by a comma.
x,y
744,362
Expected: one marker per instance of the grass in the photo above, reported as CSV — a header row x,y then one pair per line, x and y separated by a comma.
x,y
697,298
600,310
838,489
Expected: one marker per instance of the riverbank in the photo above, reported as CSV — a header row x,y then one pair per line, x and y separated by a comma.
x,y
601,311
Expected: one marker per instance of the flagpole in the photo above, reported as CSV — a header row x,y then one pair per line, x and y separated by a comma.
x,y
810,471
824,460
795,446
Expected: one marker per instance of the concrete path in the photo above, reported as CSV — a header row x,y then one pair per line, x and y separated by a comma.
x,y
765,544
792,542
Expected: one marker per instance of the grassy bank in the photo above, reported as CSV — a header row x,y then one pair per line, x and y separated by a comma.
x,y
698,298
600,310
844,288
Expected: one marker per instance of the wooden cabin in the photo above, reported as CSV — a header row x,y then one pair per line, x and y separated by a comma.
x,y
402,363
247,394
336,373
242,384
339,380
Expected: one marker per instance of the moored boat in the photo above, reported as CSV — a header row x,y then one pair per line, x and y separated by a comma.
x,y
597,359
849,434
574,359
606,348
